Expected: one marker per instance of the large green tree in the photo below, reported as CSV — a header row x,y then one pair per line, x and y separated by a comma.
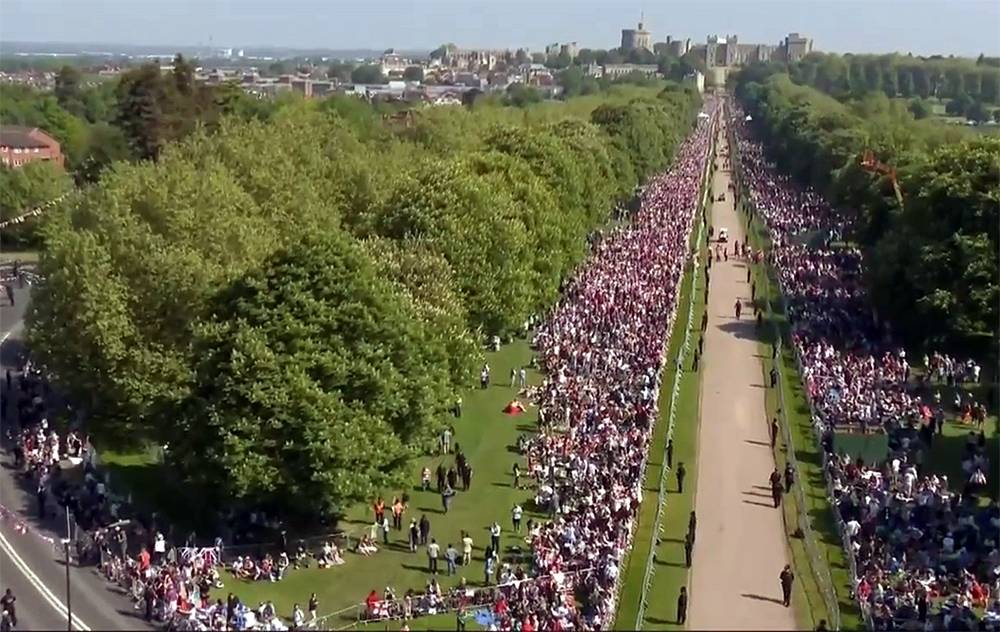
x,y
316,382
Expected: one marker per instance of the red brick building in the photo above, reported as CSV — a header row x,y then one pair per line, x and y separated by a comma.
x,y
21,145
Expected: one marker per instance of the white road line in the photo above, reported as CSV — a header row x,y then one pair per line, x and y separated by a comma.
x,y
35,581
29,574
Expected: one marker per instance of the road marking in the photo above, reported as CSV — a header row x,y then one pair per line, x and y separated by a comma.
x,y
29,574
35,581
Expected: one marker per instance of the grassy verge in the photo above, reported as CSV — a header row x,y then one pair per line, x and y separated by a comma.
x,y
670,571
487,437
24,256
810,606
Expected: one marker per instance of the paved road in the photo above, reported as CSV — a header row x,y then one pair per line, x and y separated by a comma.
x,y
30,565
741,545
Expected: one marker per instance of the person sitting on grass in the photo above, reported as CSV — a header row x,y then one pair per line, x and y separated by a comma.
x,y
366,546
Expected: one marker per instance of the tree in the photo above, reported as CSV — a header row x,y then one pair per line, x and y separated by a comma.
x,y
183,75
340,71
67,89
141,97
977,112
571,81
959,105
520,95
920,109
23,189
413,73
369,73
316,384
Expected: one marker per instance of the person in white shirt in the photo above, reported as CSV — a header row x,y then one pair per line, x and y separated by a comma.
x,y
298,617
515,517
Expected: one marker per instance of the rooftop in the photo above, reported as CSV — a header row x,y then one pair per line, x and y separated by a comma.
x,y
20,137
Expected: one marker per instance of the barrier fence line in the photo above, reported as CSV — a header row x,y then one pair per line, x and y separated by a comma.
x,y
661,499
825,580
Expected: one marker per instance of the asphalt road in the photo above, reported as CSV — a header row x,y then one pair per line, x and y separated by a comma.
x,y
31,563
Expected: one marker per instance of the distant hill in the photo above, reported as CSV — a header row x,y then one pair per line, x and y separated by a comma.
x,y
93,49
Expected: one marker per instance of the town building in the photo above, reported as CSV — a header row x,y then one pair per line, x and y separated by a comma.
x,y
797,47
634,39
728,52
613,71
478,59
21,145
393,65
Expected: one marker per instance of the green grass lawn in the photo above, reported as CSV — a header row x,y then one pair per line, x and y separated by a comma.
x,y
821,560
24,256
487,437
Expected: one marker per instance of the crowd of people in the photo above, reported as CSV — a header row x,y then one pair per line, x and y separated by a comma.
x,y
926,550
601,351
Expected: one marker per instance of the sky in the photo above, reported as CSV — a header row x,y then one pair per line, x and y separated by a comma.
x,y
959,27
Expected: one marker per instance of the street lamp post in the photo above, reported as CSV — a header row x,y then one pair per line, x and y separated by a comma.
x,y
69,604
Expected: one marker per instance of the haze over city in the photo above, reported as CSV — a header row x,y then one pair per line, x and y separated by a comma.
x,y
923,27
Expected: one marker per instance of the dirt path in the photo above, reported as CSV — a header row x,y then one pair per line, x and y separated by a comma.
x,y
740,546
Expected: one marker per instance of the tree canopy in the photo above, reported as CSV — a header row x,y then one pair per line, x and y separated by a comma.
x,y
932,264
272,292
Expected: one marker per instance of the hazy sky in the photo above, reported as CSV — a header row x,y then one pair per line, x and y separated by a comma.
x,y
961,27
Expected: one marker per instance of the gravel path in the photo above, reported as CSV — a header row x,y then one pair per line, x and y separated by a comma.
x,y
740,547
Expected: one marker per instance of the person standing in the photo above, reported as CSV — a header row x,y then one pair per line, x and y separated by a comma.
x,y
313,606
522,378
774,431
688,548
385,527
446,441
776,488
488,569
425,479
466,548
670,452
433,550
786,577
425,529
681,473
414,536
397,514
7,603
446,495
692,525
466,475
495,536
789,477
451,557
739,308
516,471
515,517
682,606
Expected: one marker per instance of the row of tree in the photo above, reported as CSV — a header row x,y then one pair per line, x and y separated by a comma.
x,y
899,76
932,265
293,304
